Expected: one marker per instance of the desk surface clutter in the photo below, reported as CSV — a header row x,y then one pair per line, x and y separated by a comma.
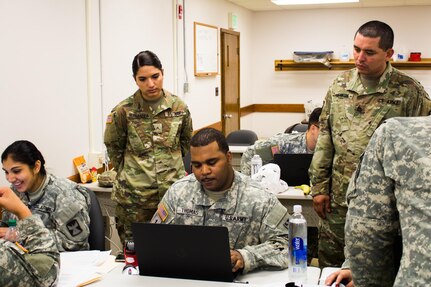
x,y
99,269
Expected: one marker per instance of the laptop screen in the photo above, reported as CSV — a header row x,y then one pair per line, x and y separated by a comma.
x,y
183,251
294,168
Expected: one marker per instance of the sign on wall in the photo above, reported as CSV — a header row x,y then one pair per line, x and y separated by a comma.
x,y
206,49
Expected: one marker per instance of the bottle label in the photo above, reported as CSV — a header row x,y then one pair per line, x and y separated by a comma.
x,y
299,250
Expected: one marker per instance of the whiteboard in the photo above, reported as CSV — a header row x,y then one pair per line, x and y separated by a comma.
x,y
206,49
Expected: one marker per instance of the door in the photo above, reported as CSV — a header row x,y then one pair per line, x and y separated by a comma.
x,y
230,69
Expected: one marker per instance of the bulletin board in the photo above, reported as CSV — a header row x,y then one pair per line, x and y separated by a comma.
x,y
206,50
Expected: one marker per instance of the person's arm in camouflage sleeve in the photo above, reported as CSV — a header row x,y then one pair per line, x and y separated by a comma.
x,y
261,147
186,133
371,222
321,165
246,160
115,138
41,253
72,221
420,103
272,252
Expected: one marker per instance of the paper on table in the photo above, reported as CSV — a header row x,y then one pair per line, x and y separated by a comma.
x,y
81,267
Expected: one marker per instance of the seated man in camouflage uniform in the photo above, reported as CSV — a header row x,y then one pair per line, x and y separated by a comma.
x,y
283,143
216,195
37,262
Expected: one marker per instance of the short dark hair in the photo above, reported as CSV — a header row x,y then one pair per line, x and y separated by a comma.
x,y
208,135
24,152
375,29
145,58
313,119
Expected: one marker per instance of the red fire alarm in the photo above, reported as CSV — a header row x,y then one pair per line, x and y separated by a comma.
x,y
180,11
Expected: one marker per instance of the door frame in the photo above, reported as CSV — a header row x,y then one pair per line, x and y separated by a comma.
x,y
223,79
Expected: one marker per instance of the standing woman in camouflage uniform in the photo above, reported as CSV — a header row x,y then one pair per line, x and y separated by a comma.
x,y
146,136
62,204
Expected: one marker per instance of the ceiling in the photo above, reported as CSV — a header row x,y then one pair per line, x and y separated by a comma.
x,y
267,5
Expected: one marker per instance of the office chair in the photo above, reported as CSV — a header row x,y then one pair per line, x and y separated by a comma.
x,y
241,137
300,128
96,239
187,161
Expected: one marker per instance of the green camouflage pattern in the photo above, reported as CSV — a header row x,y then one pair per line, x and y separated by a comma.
x,y
126,214
64,207
146,147
37,268
391,191
256,220
349,117
279,143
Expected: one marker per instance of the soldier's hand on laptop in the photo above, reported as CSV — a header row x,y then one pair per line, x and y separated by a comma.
x,y
236,260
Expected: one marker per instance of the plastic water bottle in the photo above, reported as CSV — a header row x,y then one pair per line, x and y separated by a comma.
x,y
297,246
256,164
12,233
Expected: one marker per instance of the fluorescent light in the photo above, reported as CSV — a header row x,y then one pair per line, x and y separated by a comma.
x,y
305,2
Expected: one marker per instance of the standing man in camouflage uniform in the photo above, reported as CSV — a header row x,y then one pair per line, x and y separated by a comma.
x,y
146,137
216,195
34,262
283,143
358,101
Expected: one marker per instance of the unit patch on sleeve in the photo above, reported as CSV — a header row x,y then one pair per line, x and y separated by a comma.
x,y
109,119
74,228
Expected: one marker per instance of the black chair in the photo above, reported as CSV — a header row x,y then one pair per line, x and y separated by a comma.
x,y
187,163
300,128
241,137
96,238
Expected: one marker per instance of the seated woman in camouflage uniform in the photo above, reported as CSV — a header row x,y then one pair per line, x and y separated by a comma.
x,y
35,262
62,204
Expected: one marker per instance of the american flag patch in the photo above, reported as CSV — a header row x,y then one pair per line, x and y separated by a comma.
x,y
163,213
109,119
275,149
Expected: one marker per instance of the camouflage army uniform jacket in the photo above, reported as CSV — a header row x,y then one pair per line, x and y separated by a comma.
x,y
256,220
280,143
37,268
64,208
350,116
146,147
391,190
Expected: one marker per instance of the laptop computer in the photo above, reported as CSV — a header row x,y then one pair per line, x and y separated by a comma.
x,y
294,168
183,251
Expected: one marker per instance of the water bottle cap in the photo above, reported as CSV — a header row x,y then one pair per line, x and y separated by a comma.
x,y
297,208
11,222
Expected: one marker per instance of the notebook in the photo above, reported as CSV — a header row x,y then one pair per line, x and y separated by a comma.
x,y
294,168
183,251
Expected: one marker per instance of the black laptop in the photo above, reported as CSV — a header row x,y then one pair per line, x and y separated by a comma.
x,y
183,251
294,168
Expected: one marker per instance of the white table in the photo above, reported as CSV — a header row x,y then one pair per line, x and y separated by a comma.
x,y
257,278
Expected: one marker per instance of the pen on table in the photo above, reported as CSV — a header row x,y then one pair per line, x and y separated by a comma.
x,y
21,247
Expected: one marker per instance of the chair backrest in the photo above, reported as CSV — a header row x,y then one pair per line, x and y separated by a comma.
x,y
97,225
241,137
187,163
296,128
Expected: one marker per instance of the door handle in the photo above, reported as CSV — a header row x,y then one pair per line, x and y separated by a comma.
x,y
226,116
